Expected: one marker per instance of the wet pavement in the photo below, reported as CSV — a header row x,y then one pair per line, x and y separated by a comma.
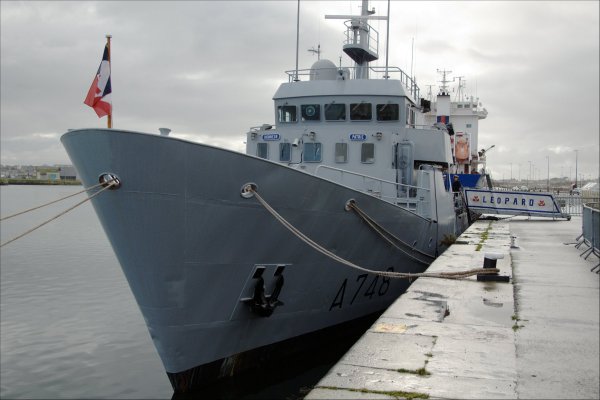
x,y
534,337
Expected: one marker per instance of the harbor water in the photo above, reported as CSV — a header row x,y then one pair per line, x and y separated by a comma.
x,y
70,327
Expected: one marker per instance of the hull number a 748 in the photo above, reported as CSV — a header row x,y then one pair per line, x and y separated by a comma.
x,y
377,286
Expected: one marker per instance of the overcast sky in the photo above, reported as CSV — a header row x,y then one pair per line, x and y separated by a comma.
x,y
208,70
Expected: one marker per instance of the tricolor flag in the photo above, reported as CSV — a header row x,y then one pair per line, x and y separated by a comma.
x,y
98,96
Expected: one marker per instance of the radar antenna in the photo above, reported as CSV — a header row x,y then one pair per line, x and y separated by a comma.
x,y
317,51
444,81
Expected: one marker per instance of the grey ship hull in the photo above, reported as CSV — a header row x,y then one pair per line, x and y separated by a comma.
x,y
190,245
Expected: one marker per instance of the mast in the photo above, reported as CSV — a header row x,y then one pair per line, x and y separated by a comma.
x,y
109,121
361,39
444,81
387,43
461,86
297,39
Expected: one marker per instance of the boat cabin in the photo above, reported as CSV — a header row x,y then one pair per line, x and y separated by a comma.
x,y
332,124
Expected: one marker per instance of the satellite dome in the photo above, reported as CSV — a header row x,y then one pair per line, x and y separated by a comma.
x,y
323,70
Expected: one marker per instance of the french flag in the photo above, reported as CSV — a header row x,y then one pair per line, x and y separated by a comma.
x,y
98,96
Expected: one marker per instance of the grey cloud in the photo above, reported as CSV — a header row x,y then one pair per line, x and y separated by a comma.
x,y
192,65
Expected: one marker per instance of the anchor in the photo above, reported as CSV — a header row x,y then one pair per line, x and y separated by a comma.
x,y
261,303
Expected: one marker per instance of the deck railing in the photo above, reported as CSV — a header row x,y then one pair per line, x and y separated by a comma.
x,y
412,197
375,73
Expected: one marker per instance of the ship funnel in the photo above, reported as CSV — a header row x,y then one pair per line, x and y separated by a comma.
x,y
164,131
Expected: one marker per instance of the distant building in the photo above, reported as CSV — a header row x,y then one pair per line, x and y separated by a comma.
x,y
68,172
45,174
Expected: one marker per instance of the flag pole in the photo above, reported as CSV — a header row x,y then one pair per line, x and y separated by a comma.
x,y
109,120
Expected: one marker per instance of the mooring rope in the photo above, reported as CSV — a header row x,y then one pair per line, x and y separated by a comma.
x,y
389,274
110,184
52,202
388,236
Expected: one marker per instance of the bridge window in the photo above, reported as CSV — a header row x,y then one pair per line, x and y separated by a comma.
x,y
312,152
388,112
360,112
311,112
341,152
262,150
335,112
287,113
367,153
285,152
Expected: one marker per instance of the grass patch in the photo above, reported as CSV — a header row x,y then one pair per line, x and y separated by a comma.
x,y
516,326
484,236
398,394
421,371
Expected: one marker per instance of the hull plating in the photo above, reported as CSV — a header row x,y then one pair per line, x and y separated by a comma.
x,y
189,244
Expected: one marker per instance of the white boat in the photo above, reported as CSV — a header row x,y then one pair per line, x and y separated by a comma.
x,y
233,257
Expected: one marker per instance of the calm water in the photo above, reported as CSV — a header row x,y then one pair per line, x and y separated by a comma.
x,y
70,327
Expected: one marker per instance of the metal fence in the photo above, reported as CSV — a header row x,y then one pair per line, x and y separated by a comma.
x,y
573,205
590,235
591,224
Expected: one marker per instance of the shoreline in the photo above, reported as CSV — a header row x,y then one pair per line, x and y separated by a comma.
x,y
12,181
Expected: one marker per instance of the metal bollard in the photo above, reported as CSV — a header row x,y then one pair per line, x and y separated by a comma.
x,y
489,261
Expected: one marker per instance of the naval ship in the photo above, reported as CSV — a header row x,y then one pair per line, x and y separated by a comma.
x,y
233,256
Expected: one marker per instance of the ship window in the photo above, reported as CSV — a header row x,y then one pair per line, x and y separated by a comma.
x,y
467,106
360,112
312,152
388,112
262,150
460,106
468,125
410,116
335,112
367,153
311,112
341,152
286,113
285,152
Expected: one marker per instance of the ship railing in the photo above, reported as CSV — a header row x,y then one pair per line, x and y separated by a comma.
x,y
376,72
406,196
353,36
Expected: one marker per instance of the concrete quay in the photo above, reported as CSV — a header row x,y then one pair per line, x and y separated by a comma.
x,y
534,337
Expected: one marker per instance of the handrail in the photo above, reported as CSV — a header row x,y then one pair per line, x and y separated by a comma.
x,y
408,82
369,177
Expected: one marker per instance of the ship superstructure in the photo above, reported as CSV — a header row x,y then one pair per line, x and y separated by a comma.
x,y
461,113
